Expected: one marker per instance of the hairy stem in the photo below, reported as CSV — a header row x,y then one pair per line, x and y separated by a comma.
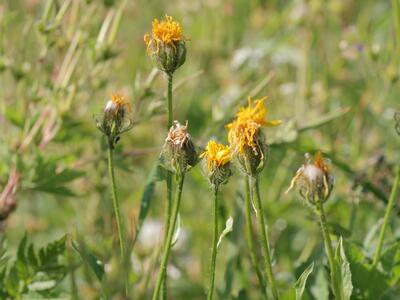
x,y
388,213
264,237
168,179
329,249
169,101
214,246
115,199
167,245
250,241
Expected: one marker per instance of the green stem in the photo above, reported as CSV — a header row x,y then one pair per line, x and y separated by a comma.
x,y
265,239
388,213
167,246
250,241
329,249
169,101
214,247
168,180
115,199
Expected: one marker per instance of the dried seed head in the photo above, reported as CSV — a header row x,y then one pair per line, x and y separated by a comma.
x,y
217,159
245,136
314,180
116,119
166,45
179,154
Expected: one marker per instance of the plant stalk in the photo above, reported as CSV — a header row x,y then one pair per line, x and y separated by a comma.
x,y
214,246
115,199
329,249
264,237
167,245
169,177
388,213
250,241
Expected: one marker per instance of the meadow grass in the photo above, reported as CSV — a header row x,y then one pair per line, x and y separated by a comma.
x,y
330,70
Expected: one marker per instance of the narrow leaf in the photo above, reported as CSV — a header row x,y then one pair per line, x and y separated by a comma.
x,y
301,282
155,175
90,259
343,266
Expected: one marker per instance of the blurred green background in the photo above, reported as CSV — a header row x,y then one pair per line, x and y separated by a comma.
x,y
330,70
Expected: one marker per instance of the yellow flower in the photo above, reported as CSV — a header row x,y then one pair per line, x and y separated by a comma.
x,y
166,31
217,155
244,129
242,134
256,112
118,104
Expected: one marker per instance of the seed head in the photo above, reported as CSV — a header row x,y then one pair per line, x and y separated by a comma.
x,y
245,137
179,154
116,118
217,158
314,179
166,44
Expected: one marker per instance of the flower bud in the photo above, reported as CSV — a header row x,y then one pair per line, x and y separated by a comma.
x,y
217,158
179,153
116,119
313,180
166,45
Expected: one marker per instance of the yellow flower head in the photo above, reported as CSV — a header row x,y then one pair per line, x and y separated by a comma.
x,y
242,134
117,104
256,111
166,31
217,155
244,129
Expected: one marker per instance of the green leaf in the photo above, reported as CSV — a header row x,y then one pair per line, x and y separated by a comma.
x,y
90,259
157,174
390,261
47,177
33,271
48,255
324,119
301,282
363,275
31,256
343,266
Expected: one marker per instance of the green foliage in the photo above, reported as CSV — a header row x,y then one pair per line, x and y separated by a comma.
x,y
45,176
33,272
343,269
330,70
90,259
301,282
363,275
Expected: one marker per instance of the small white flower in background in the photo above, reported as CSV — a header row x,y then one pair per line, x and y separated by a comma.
x,y
151,233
